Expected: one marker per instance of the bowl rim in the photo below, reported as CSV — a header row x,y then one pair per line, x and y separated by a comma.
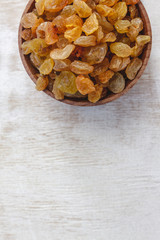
x,y
111,97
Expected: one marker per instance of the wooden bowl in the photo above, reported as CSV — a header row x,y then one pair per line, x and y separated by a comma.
x,y
83,102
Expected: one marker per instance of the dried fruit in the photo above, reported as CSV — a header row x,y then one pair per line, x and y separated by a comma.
x,y
137,23
28,20
121,9
132,33
40,6
118,63
125,40
73,34
26,34
60,23
125,63
42,83
133,11
99,34
100,68
141,40
90,25
103,10
37,46
47,66
55,5
49,16
116,83
122,26
95,95
65,82
109,3
106,26
86,41
84,85
91,4
131,2
62,53
133,68
113,16
62,42
137,50
35,26
95,55
74,21
51,36
62,65
79,67
109,37
47,31
115,63
82,8
68,11
106,76
36,60
58,94
120,49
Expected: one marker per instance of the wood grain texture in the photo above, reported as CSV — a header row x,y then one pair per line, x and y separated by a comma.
x,y
77,173
111,97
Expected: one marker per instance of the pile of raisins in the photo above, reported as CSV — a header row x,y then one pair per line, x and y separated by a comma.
x,y
84,48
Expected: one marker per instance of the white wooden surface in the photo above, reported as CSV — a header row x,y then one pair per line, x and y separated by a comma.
x,y
76,173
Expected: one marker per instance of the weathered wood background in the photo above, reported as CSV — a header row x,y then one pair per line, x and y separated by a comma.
x,y
76,173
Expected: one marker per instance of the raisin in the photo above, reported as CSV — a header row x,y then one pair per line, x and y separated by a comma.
x,y
99,34
58,94
66,82
73,34
109,3
133,68
62,42
100,68
95,55
46,67
141,40
26,34
95,95
84,85
60,23
62,53
79,67
131,2
62,65
121,9
74,21
42,83
122,26
133,11
116,83
86,41
137,50
120,49
68,11
55,5
106,76
82,9
103,10
106,26
90,25
109,37
28,20
36,60
40,7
